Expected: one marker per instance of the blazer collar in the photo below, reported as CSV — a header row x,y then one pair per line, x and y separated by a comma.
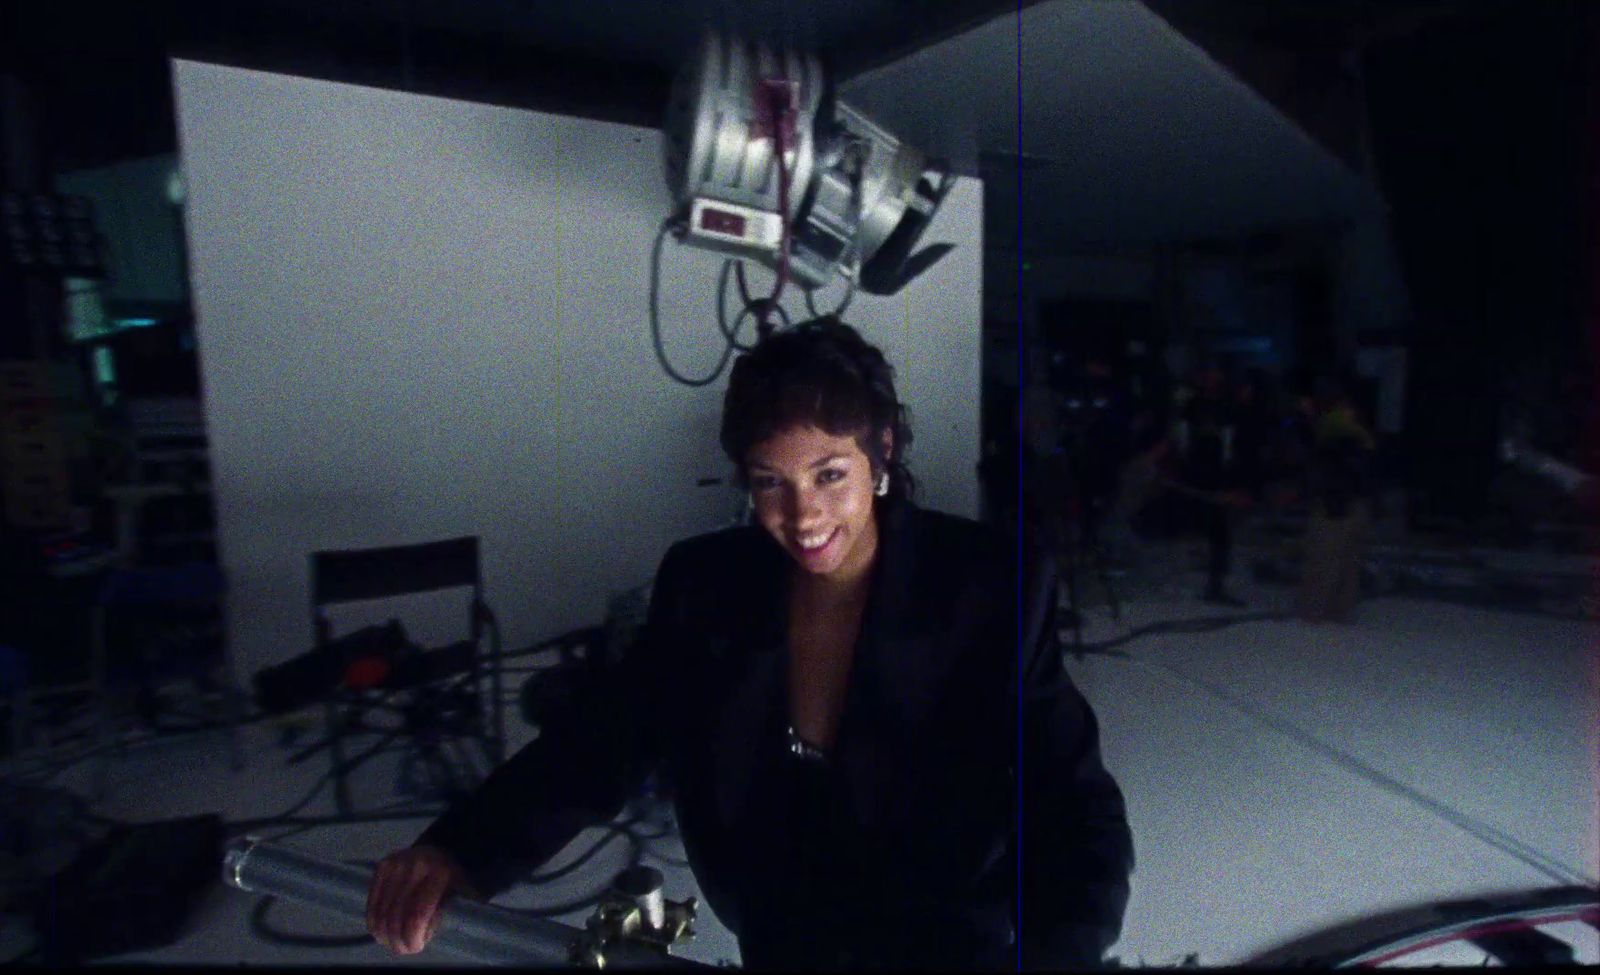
x,y
890,596
899,662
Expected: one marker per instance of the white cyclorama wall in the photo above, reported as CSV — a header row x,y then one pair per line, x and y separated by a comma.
x,y
421,318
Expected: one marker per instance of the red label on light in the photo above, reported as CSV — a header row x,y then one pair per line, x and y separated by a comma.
x,y
722,222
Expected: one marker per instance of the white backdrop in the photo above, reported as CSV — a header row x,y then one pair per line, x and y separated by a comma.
x,y
421,318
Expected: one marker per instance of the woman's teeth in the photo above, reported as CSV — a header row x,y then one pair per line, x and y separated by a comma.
x,y
811,543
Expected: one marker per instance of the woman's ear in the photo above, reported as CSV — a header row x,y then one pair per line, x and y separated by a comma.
x,y
888,443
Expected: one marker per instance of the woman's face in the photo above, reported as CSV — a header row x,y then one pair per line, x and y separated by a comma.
x,y
813,493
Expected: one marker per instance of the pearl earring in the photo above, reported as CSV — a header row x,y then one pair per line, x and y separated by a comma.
x,y
883,486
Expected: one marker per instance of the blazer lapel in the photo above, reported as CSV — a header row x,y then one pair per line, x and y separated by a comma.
x,y
897,673
757,640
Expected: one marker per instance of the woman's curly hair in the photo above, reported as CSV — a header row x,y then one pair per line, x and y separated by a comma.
x,y
820,373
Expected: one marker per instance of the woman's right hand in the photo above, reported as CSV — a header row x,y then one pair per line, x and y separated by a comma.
x,y
408,890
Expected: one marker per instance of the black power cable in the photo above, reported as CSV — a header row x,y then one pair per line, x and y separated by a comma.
x,y
1204,624
49,769
81,814
849,293
1484,832
760,309
613,831
1477,829
667,225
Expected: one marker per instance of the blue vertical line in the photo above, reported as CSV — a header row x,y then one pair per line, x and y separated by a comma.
x,y
1020,444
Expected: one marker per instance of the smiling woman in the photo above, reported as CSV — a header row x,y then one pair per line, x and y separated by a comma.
x,y
810,422
833,693
814,428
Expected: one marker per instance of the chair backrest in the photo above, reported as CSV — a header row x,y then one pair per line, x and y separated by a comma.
x,y
374,573
356,575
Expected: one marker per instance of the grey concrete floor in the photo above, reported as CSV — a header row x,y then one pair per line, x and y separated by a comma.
x,y
1282,778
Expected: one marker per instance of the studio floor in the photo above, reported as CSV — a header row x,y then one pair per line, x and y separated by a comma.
x,y
1282,778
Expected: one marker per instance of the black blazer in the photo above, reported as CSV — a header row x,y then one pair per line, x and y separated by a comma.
x,y
918,818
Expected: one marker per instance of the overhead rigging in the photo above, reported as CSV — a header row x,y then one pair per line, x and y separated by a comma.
x,y
766,165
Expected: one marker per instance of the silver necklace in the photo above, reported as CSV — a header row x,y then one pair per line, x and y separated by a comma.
x,y
804,750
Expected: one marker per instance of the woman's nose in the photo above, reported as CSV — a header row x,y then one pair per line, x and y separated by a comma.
x,y
803,505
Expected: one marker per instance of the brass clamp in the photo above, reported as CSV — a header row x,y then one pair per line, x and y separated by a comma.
x,y
634,912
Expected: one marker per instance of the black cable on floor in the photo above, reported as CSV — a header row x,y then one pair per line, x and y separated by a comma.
x,y
322,783
613,830
1498,839
259,922
56,767
1483,832
158,733
1204,624
82,813
399,812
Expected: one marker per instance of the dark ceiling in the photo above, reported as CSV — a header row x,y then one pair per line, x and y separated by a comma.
x,y
1306,56
96,75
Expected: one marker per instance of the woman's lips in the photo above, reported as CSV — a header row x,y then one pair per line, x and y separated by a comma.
x,y
821,553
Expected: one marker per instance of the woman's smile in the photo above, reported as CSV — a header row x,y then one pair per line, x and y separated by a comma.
x,y
815,551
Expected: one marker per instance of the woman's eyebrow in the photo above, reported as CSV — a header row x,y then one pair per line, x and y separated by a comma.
x,y
757,465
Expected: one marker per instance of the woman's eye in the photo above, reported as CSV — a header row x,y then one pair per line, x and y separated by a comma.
x,y
763,483
830,475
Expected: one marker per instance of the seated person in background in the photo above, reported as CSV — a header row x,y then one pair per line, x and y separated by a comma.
x,y
832,694
1340,516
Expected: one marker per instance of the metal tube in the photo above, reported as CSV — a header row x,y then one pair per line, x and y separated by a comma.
x,y
469,929
642,886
